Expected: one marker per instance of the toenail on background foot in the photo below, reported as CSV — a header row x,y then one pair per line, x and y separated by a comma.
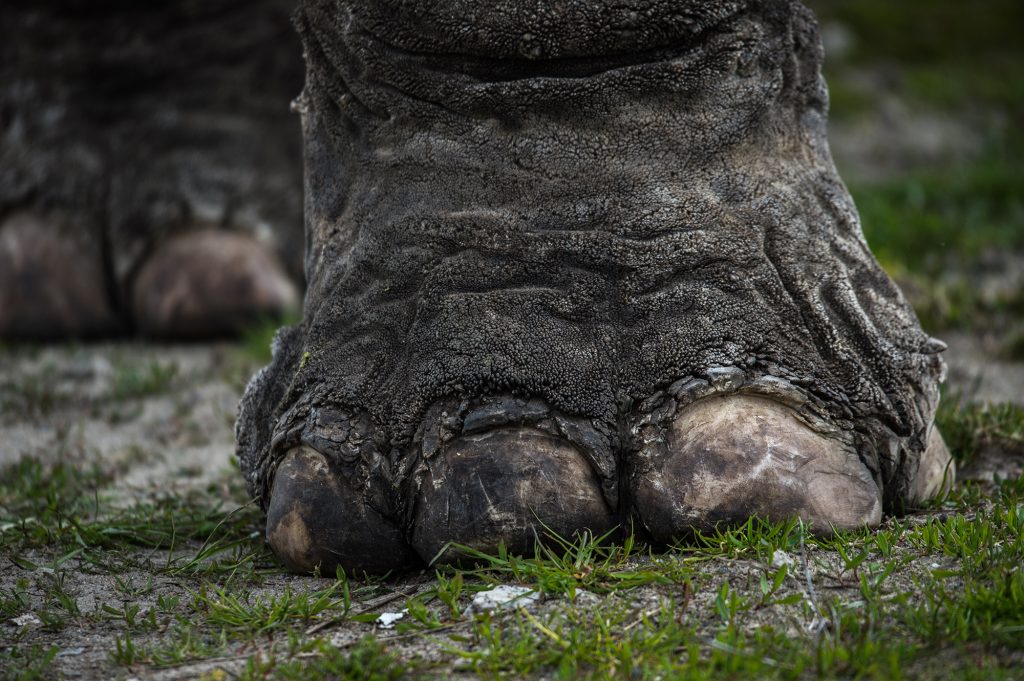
x,y
52,283
726,459
209,282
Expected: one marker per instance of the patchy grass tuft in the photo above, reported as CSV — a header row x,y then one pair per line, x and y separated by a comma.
x,y
27,664
368,660
563,566
134,381
968,428
928,219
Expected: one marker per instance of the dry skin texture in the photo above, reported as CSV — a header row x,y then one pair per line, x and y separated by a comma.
x,y
574,221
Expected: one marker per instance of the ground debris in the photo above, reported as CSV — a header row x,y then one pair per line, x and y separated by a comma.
x,y
504,596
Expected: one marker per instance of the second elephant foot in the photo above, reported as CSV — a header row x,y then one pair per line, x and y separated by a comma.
x,y
209,283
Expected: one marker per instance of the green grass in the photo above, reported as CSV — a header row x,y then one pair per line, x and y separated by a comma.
x,y
31,394
248,615
928,31
564,566
941,53
133,381
968,85
967,428
973,606
932,228
31,663
935,218
63,508
368,660
43,391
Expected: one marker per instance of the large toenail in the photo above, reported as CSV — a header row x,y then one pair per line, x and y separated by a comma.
x,y
725,459
209,283
508,487
319,520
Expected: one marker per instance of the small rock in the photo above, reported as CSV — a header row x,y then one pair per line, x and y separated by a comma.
x,y
29,619
586,599
387,619
70,652
504,596
780,558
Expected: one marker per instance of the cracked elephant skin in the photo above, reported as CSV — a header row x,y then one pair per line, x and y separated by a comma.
x,y
543,242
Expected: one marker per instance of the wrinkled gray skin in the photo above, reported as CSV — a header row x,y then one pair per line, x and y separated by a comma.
x,y
583,215
123,124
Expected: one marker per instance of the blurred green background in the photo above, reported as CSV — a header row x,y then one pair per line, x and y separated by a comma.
x,y
927,128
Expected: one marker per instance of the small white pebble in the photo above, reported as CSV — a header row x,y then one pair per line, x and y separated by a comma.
x,y
29,619
387,619
503,596
780,558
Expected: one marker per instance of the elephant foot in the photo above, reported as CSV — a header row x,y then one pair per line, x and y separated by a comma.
x,y
507,487
610,221
52,283
126,160
318,519
209,283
